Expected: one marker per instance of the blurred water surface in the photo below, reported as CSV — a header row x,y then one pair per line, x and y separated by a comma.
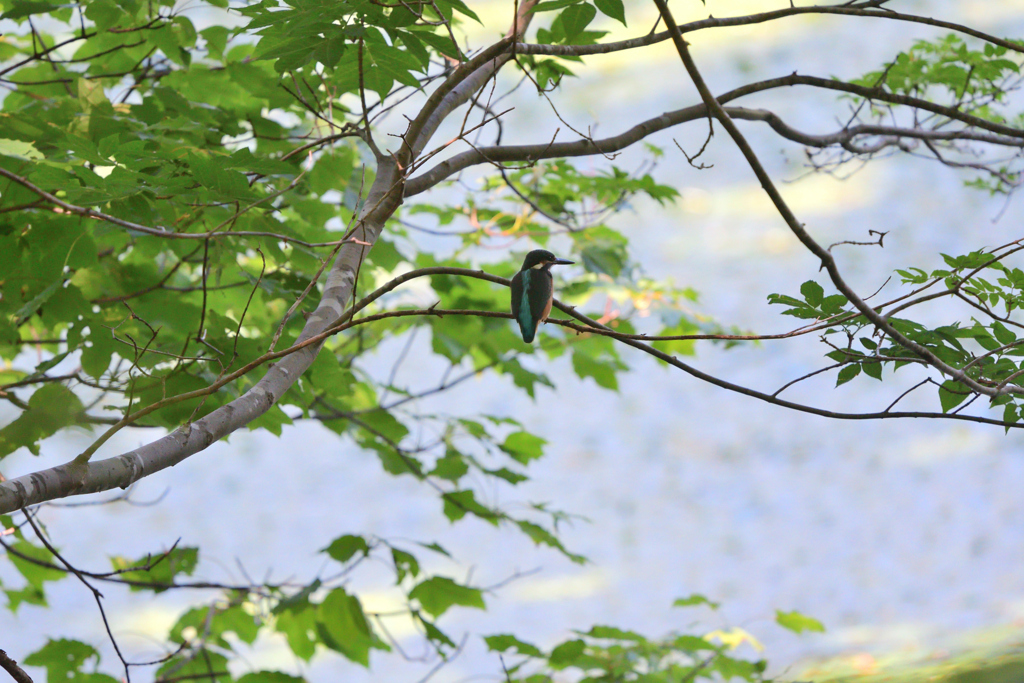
x,y
893,534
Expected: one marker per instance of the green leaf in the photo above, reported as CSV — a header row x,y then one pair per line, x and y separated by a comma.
x,y
384,424
104,13
1002,334
406,564
223,182
216,38
952,394
688,643
236,620
438,593
33,305
813,293
613,633
457,504
872,369
576,18
602,371
434,634
462,8
542,536
299,628
29,595
505,642
567,653
24,8
613,9
833,304
551,5
270,677
297,601
695,599
19,149
1011,415
847,373
34,568
523,446
51,408
158,570
210,666
508,475
343,626
602,250
451,467
344,547
797,622
523,378
216,623
91,94
436,548
63,660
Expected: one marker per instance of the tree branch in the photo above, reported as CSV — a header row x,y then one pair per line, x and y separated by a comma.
x,y
458,88
383,199
1001,134
156,232
123,470
760,18
827,261
11,667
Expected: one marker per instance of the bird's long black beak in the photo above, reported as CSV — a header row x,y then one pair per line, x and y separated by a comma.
x,y
563,262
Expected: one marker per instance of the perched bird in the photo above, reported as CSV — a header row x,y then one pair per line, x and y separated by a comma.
x,y
533,290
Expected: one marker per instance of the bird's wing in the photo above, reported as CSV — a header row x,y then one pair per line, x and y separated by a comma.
x,y
541,287
517,293
522,307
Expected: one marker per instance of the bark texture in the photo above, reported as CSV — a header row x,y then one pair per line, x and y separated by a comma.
x,y
383,198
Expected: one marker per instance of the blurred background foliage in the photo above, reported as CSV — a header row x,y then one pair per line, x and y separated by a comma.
x,y
175,177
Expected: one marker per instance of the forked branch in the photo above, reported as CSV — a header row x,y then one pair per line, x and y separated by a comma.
x,y
828,263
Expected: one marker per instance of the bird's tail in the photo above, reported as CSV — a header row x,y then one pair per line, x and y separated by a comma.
x,y
529,331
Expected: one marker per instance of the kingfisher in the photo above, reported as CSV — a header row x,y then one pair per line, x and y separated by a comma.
x,y
533,291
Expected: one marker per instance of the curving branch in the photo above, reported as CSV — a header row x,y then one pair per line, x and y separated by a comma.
x,y
591,326
383,198
846,136
84,476
77,478
827,260
458,88
864,9
386,194
12,668
998,134
86,212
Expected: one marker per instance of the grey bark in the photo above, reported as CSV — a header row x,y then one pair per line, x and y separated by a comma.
x,y
382,200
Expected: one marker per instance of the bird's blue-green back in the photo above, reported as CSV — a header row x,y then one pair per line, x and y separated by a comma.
x,y
521,309
531,292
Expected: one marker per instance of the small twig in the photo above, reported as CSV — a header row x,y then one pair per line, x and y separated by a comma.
x,y
900,397
807,376
97,596
878,242
711,134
